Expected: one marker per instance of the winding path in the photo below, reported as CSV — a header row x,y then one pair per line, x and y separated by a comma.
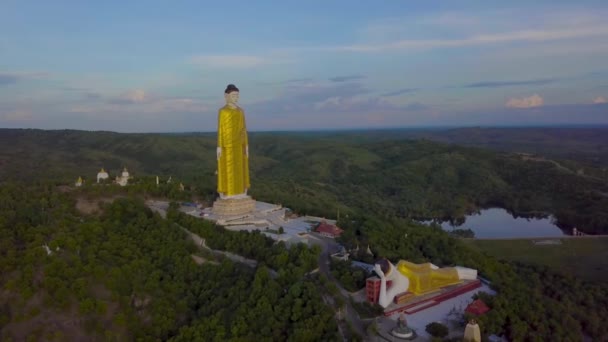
x,y
324,260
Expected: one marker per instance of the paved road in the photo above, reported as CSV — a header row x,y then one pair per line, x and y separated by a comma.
x,y
352,316
327,246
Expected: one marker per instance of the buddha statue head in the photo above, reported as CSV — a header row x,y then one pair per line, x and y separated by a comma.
x,y
231,94
385,266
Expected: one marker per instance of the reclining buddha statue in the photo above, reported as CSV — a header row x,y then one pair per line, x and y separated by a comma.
x,y
416,278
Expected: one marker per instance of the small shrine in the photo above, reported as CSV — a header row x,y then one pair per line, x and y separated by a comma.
x,y
102,175
123,180
402,331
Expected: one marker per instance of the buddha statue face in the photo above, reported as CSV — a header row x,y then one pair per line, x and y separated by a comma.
x,y
232,98
231,94
385,266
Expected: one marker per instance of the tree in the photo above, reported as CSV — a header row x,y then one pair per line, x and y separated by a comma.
x,y
437,329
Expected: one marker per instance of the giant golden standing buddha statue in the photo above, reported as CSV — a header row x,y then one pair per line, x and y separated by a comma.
x,y
232,158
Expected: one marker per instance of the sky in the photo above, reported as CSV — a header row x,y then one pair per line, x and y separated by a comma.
x,y
162,66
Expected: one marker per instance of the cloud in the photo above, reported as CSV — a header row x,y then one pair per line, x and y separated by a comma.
x,y
92,95
416,106
17,115
327,104
131,97
525,102
481,28
346,78
14,77
73,89
6,79
136,103
302,97
480,39
343,103
400,92
546,115
600,100
298,80
157,105
497,84
235,61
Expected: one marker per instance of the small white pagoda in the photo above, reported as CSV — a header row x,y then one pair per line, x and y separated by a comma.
x,y
102,175
123,180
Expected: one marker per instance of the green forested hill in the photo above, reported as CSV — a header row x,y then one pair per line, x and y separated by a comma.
x,y
125,273
588,145
128,275
321,173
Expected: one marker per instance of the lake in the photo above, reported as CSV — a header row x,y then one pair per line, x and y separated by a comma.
x,y
498,223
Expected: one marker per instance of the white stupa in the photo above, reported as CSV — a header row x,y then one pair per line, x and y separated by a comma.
x,y
471,332
78,182
124,177
121,181
102,175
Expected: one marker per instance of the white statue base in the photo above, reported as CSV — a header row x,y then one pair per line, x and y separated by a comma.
x,y
233,206
404,334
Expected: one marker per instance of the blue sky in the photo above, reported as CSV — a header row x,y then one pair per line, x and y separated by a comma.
x,y
142,66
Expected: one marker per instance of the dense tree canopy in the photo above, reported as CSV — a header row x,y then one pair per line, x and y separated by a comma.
x,y
129,275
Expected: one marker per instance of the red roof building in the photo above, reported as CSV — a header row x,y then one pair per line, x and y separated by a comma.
x,y
478,307
328,230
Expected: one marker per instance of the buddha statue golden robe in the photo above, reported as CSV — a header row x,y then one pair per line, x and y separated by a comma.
x,y
425,278
232,148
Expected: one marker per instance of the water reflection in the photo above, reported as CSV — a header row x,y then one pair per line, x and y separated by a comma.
x,y
498,223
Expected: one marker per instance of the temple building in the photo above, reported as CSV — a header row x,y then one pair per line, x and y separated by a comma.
x,y
102,175
478,307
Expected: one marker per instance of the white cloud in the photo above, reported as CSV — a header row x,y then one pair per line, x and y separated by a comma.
x,y
480,39
139,101
135,96
345,103
478,29
525,102
600,99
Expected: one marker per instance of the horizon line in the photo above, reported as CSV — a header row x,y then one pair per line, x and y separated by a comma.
x,y
347,129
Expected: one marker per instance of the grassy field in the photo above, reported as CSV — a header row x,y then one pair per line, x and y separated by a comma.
x,y
586,258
